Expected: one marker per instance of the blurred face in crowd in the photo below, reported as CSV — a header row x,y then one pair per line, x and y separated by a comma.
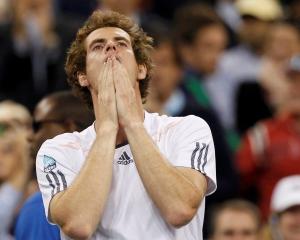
x,y
282,42
289,223
33,7
12,149
167,72
294,84
126,7
235,225
35,18
46,124
207,48
253,32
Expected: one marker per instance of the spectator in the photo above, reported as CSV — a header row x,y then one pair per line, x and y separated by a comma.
x,y
32,51
270,150
243,62
15,162
282,42
55,114
164,96
15,114
235,219
285,210
202,38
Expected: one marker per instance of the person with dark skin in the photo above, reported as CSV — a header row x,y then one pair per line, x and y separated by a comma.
x,y
57,113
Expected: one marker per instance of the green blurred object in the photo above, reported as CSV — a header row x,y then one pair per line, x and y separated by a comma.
x,y
195,87
233,139
3,128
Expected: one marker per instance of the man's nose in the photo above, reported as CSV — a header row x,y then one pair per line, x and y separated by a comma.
x,y
110,47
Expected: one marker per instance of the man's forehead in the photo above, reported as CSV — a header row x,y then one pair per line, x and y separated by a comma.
x,y
107,33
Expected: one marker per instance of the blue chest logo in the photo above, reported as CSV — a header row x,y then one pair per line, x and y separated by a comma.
x,y
49,163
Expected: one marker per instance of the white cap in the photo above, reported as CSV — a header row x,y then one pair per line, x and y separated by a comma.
x,y
267,10
286,193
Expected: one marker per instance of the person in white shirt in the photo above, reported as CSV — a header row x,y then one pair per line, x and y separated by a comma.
x,y
132,174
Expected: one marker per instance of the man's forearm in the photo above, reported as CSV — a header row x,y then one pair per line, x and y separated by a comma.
x,y
82,204
172,189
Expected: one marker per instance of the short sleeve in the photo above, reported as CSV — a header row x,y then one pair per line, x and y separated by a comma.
x,y
55,170
193,147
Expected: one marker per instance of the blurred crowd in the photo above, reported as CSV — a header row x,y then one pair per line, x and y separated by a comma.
x,y
234,63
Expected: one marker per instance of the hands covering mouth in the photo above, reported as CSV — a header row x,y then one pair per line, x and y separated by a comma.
x,y
112,56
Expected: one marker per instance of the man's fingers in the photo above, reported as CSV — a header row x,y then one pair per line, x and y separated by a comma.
x,y
102,74
121,77
106,90
110,83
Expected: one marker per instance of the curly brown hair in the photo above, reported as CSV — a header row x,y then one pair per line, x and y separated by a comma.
x,y
76,55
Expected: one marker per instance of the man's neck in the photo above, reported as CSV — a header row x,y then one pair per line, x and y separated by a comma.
x,y
121,137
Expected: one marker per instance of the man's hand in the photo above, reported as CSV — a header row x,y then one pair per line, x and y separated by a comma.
x,y
107,110
127,102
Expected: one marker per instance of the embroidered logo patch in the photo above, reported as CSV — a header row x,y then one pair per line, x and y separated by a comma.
x,y
49,163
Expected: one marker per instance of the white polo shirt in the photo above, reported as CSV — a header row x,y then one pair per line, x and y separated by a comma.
x,y
130,213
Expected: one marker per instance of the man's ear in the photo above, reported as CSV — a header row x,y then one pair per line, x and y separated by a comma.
x,y
142,72
82,79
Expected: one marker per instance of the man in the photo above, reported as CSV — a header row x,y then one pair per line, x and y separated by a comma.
x,y
55,114
285,206
132,174
235,219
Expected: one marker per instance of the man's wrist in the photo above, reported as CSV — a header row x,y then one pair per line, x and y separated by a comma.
x,y
107,128
134,127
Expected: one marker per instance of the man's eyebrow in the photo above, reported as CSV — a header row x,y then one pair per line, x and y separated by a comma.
x,y
97,40
122,38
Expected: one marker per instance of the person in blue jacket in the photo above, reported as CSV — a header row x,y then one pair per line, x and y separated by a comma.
x,y
32,223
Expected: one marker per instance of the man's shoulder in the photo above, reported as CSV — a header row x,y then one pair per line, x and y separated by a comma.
x,y
70,141
177,123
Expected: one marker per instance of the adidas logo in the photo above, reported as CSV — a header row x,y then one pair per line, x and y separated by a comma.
x,y
124,159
